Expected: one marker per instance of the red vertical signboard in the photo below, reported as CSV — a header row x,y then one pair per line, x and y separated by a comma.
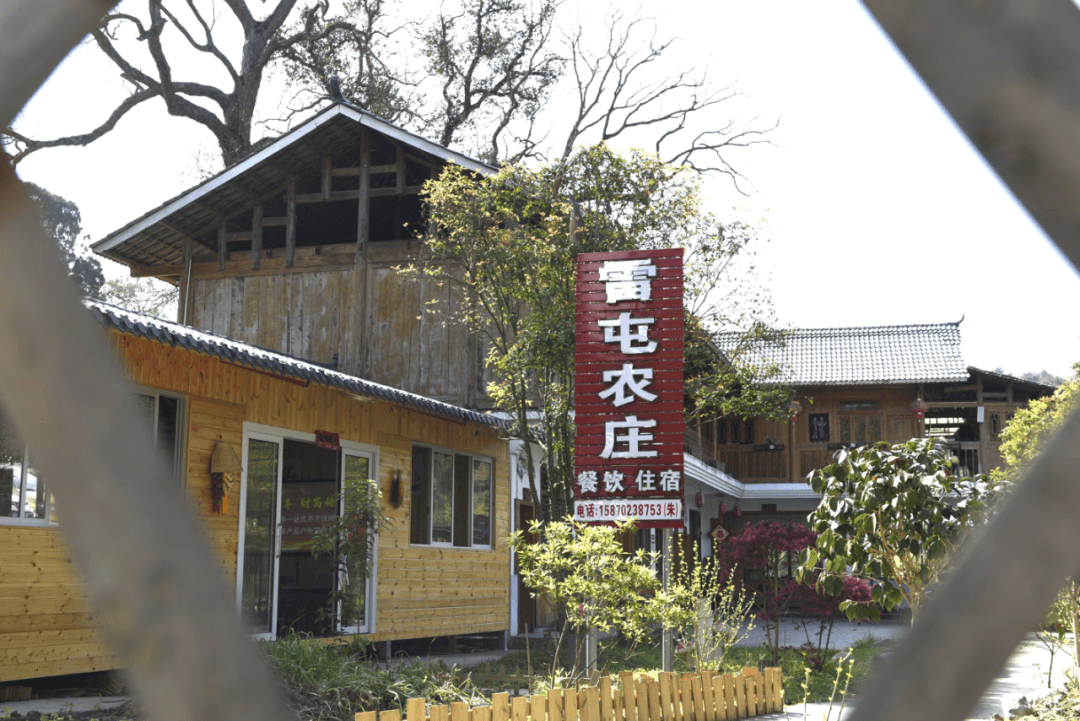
x,y
629,388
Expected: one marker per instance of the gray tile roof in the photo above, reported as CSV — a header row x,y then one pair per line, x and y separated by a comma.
x,y
871,355
226,349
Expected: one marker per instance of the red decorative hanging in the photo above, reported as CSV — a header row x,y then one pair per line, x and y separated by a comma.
x,y
699,499
794,408
723,508
738,512
919,408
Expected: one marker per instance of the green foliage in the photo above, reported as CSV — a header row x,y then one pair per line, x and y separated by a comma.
x,y
142,295
333,682
350,539
61,220
1029,430
592,583
892,515
507,245
708,609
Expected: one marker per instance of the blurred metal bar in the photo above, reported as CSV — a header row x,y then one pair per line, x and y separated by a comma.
x,y
35,35
158,589
1009,73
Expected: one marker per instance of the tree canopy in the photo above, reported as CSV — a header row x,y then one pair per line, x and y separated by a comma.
x,y
891,514
508,245
63,223
1026,434
478,74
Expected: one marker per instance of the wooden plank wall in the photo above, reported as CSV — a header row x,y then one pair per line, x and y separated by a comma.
x,y
799,456
380,326
47,624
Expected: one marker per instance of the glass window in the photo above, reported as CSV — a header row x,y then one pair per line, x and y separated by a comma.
x,y
354,611
21,483
452,496
442,498
481,525
860,422
260,526
819,427
162,414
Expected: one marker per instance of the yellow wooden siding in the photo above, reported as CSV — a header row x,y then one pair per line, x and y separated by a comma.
x,y
45,617
422,591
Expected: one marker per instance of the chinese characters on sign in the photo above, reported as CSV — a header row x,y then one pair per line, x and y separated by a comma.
x,y
629,397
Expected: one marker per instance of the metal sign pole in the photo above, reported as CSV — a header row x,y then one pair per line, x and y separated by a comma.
x,y
668,655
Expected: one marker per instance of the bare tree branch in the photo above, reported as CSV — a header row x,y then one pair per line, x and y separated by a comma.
x,y
24,146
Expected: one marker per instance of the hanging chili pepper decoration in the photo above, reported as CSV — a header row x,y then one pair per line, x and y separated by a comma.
x,y
217,489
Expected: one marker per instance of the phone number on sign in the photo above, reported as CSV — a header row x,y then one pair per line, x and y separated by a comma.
x,y
662,510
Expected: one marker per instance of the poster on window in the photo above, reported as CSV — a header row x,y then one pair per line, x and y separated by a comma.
x,y
629,388
305,507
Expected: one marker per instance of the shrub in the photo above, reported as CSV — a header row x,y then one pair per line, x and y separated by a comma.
x,y
770,552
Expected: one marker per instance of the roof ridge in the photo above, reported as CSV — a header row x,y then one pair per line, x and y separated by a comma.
x,y
235,351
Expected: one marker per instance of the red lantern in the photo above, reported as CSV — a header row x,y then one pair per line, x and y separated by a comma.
x,y
723,508
919,408
699,499
738,512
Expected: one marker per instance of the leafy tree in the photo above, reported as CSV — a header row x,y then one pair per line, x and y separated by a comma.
x,y
63,223
1022,441
892,515
708,609
350,540
769,551
508,245
142,295
592,583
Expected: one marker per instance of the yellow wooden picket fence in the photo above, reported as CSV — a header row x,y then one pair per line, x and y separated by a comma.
x,y
670,697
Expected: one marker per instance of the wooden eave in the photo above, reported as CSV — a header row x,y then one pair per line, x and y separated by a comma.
x,y
158,238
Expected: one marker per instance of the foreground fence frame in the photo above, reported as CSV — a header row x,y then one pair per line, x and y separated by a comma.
x,y
1008,72
669,697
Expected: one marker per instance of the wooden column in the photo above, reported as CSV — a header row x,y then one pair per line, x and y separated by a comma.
x,y
290,224
185,283
222,246
363,229
327,176
256,236
398,234
363,218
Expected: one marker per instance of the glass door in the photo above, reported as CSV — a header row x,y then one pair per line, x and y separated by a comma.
x,y
260,535
357,610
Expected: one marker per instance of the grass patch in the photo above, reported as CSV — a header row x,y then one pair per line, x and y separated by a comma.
x,y
327,682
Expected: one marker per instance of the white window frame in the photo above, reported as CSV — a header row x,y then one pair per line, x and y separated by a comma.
x,y
178,465
19,520
273,434
453,500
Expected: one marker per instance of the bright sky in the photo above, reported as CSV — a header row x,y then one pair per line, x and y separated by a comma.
x,y
878,210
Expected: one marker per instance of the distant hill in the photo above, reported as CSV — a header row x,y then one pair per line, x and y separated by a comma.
x,y
1043,376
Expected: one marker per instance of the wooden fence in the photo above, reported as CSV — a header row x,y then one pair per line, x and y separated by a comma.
x,y
670,697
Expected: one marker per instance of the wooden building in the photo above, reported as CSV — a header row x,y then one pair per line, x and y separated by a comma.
x,y
442,566
292,321
854,386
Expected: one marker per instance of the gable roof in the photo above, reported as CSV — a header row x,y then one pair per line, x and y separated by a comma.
x,y
235,352
871,355
157,237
